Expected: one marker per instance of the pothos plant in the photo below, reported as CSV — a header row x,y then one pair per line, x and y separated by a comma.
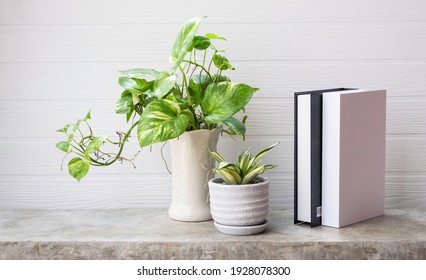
x,y
194,94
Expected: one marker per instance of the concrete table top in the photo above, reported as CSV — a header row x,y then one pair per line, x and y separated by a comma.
x,y
151,234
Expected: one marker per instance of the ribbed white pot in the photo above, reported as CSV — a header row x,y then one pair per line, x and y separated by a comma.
x,y
191,171
239,205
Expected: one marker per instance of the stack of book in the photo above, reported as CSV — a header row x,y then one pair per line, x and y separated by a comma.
x,y
339,158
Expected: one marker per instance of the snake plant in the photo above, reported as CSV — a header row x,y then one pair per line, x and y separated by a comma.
x,y
245,171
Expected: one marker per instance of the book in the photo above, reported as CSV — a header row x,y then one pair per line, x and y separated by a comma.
x,y
353,156
307,155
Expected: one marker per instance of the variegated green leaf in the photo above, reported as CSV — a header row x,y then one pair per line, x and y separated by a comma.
x,y
163,84
161,120
265,151
222,62
135,85
215,36
217,157
184,40
78,167
125,104
95,144
235,127
229,176
63,146
140,72
244,161
252,174
224,99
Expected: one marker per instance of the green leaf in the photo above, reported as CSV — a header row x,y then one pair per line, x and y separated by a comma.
x,y
161,120
222,62
270,166
224,99
163,84
199,43
129,115
73,127
184,40
265,151
252,174
235,127
140,72
215,36
229,172
95,144
244,161
197,87
217,157
217,79
63,146
87,117
135,85
64,129
78,168
125,104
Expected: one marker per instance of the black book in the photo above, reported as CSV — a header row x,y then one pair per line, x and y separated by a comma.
x,y
308,155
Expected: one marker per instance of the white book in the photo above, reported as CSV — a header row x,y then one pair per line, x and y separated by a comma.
x,y
353,156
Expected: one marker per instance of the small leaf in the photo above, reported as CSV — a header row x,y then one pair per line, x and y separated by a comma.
x,y
63,146
270,166
199,43
64,129
220,78
197,87
184,40
235,127
73,127
140,72
87,117
244,162
229,176
252,174
224,99
129,115
215,36
161,120
95,144
163,84
222,62
135,85
125,104
78,168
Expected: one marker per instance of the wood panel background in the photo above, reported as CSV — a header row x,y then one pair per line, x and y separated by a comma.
x,y
58,59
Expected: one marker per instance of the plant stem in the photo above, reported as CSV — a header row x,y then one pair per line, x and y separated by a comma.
x,y
186,86
126,136
199,65
204,57
210,64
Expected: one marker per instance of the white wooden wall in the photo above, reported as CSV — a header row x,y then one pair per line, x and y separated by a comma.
x,y
58,59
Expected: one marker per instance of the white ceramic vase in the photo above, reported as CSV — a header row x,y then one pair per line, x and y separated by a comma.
x,y
191,171
239,205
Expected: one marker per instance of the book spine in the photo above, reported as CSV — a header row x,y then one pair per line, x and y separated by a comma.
x,y
316,158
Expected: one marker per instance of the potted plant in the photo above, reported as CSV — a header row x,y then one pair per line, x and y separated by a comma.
x,y
191,104
239,198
